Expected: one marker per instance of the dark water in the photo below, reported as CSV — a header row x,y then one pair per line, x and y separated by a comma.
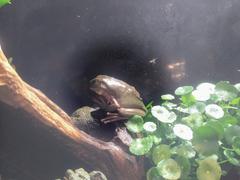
x,y
155,45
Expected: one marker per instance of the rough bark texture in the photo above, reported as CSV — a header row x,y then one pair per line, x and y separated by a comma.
x,y
105,156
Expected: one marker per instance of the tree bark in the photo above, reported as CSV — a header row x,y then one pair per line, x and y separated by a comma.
x,y
105,156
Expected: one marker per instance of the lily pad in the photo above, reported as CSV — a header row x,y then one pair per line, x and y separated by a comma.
x,y
150,126
141,146
218,128
185,166
167,97
236,145
185,151
188,100
153,174
205,140
200,95
135,124
193,120
180,91
237,86
160,152
198,107
231,132
169,169
228,120
209,169
231,156
214,111
163,115
225,91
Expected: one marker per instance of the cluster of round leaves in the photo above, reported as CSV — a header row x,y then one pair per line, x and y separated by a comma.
x,y
190,134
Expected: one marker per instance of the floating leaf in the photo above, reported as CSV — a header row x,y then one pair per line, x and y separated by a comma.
x,y
193,120
231,132
135,124
160,152
235,101
153,174
180,91
200,95
198,107
228,120
218,128
188,100
149,126
214,111
185,166
209,169
237,86
141,146
225,91
169,169
231,156
236,145
186,151
167,97
183,131
208,88
169,105
205,140
163,115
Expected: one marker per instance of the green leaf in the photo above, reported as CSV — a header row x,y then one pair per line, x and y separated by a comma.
x,y
169,105
169,169
205,140
185,166
153,174
135,124
231,156
228,120
185,151
149,127
231,132
160,152
188,100
218,128
235,101
206,132
237,86
236,145
209,169
180,91
141,146
167,97
193,120
225,91
4,2
198,107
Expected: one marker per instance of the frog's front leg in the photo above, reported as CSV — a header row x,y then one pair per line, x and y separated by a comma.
x,y
121,114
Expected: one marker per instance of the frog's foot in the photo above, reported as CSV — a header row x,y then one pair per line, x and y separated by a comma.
x,y
112,117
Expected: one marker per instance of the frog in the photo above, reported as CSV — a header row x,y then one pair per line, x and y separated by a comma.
x,y
119,99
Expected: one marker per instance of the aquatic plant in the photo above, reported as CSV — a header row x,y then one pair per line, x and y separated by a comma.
x,y
194,134
4,2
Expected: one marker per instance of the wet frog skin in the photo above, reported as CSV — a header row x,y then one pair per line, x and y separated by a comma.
x,y
119,99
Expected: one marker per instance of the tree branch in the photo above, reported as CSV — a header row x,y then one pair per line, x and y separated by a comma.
x,y
105,156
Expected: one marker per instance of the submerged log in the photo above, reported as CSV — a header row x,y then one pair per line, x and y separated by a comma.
x,y
107,157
